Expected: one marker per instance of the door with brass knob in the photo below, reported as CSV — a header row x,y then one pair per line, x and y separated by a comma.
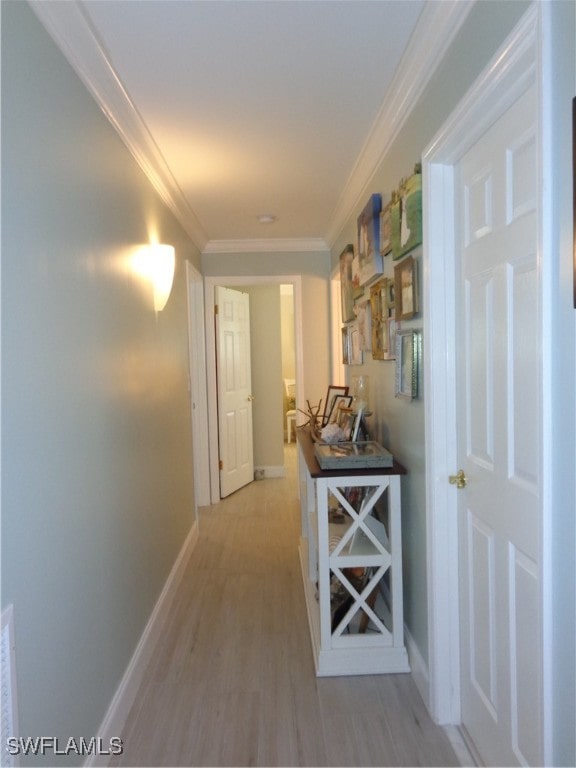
x,y
459,479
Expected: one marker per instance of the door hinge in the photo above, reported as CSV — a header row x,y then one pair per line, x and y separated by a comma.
x,y
215,309
220,464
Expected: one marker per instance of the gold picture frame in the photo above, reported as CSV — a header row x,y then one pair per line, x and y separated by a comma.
x,y
406,289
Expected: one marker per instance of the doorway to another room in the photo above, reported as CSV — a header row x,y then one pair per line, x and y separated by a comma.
x,y
276,354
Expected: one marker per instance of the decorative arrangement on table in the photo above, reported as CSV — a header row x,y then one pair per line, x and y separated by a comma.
x,y
374,304
341,435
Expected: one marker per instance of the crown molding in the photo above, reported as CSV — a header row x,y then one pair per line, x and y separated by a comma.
x,y
267,245
70,28
437,27
72,31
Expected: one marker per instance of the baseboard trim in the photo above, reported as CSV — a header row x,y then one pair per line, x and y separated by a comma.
x,y
115,718
461,744
260,473
418,667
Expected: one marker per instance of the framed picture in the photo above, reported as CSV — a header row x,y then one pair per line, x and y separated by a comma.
x,y
390,295
406,215
345,346
391,332
369,256
346,286
355,345
363,312
357,289
346,422
338,402
405,289
379,314
331,395
408,354
386,230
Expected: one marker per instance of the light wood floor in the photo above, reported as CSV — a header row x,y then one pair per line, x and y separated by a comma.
x,y
232,683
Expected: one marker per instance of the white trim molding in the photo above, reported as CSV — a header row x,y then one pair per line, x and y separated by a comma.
x,y
516,66
233,281
439,22
72,31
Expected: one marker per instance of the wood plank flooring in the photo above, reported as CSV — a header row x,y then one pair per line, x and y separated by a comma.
x,y
232,682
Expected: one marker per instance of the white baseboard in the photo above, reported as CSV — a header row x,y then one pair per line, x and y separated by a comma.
x,y
419,668
115,718
264,472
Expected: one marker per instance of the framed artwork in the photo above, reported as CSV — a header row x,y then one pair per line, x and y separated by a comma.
x,y
405,289
363,312
391,333
346,422
338,402
408,355
379,314
345,345
369,256
346,284
357,289
355,345
386,230
406,215
390,295
333,393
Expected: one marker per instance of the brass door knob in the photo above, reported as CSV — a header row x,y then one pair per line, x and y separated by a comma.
x,y
459,479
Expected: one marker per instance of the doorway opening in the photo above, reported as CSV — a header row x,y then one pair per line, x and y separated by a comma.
x,y
255,285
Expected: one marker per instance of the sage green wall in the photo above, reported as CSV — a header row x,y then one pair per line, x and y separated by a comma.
x,y
399,424
97,494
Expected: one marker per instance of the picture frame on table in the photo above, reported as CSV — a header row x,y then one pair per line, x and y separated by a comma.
x,y
338,402
368,233
406,289
334,392
408,356
346,422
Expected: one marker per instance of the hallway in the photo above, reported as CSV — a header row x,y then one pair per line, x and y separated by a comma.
x,y
232,683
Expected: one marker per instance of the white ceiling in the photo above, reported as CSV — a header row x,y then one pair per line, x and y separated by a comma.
x,y
238,108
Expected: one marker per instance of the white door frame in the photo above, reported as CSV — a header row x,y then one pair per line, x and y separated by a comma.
x,y
210,284
512,70
197,386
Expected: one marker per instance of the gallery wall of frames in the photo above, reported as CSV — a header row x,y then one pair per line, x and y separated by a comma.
x,y
374,307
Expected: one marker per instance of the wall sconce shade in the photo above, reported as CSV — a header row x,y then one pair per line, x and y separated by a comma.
x,y
155,264
163,262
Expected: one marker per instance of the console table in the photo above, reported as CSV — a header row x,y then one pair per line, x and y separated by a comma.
x,y
351,559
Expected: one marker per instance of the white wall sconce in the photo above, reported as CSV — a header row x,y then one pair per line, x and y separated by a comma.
x,y
163,265
156,263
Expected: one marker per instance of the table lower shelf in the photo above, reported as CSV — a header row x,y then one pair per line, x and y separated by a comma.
x,y
361,656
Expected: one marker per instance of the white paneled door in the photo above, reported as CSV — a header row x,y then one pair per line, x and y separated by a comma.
x,y
234,390
498,415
